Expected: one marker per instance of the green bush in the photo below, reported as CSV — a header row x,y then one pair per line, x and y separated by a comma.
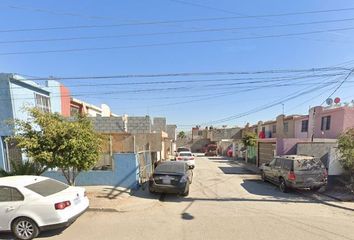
x,y
27,168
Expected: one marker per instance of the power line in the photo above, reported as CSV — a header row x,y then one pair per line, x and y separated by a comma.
x,y
172,21
172,43
185,74
171,32
342,82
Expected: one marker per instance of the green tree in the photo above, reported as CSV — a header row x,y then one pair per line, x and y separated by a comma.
x,y
346,149
249,139
56,142
181,134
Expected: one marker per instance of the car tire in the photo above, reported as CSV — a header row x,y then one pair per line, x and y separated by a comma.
x,y
315,189
24,228
282,185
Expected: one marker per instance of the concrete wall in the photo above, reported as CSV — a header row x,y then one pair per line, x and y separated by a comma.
x,y
108,124
159,124
139,124
171,131
125,174
224,133
317,149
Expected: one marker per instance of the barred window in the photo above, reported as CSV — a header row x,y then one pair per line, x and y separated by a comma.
x,y
42,102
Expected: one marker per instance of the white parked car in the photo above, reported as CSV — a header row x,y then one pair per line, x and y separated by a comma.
x,y
30,204
188,157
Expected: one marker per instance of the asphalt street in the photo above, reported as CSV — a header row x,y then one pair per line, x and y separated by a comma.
x,y
226,201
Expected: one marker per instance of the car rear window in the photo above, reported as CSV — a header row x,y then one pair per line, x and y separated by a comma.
x,y
288,164
183,150
308,164
47,187
185,154
170,168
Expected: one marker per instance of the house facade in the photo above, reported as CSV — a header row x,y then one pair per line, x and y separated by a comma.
x,y
18,93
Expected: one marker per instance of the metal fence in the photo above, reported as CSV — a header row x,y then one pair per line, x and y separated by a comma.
x,y
145,166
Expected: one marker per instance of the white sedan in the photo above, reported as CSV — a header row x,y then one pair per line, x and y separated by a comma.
x,y
188,157
30,204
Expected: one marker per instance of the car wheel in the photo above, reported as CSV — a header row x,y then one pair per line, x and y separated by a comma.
x,y
24,228
263,176
315,189
282,185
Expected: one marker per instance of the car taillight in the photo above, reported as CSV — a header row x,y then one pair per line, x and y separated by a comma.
x,y
191,158
62,205
291,176
179,158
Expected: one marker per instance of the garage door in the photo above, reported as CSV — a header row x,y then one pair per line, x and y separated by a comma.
x,y
265,152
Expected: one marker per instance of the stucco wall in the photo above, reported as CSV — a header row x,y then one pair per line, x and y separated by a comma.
x,y
125,174
65,101
55,95
298,125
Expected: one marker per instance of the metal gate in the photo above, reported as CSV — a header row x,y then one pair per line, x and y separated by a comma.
x,y
145,166
266,151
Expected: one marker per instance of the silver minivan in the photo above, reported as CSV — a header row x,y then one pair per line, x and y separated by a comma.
x,y
295,171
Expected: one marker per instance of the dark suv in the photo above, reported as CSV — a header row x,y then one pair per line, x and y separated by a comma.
x,y
295,171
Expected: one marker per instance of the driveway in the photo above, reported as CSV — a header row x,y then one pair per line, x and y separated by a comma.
x,y
226,201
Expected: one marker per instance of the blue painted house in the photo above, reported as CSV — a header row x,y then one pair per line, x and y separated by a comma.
x,y
16,93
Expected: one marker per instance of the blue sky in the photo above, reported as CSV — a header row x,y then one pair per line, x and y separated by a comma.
x,y
182,103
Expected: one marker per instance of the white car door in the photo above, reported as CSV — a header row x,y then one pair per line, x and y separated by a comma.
x,y
10,201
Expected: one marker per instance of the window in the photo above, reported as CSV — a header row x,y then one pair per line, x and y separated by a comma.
x,y
74,111
278,163
272,162
42,102
304,125
47,187
286,127
326,123
263,129
8,194
274,128
256,130
288,164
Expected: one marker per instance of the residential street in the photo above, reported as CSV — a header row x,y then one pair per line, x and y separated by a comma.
x,y
226,201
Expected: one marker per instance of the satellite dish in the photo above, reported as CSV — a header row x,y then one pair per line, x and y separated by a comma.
x,y
337,100
329,101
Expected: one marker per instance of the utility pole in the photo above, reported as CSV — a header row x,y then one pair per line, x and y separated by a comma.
x,y
282,104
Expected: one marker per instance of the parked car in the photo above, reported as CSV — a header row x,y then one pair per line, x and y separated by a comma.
x,y
181,149
211,150
187,157
295,171
31,204
171,177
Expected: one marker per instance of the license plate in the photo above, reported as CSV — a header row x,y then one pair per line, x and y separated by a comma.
x,y
166,181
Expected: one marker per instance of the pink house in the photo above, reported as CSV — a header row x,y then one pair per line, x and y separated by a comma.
x,y
325,122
